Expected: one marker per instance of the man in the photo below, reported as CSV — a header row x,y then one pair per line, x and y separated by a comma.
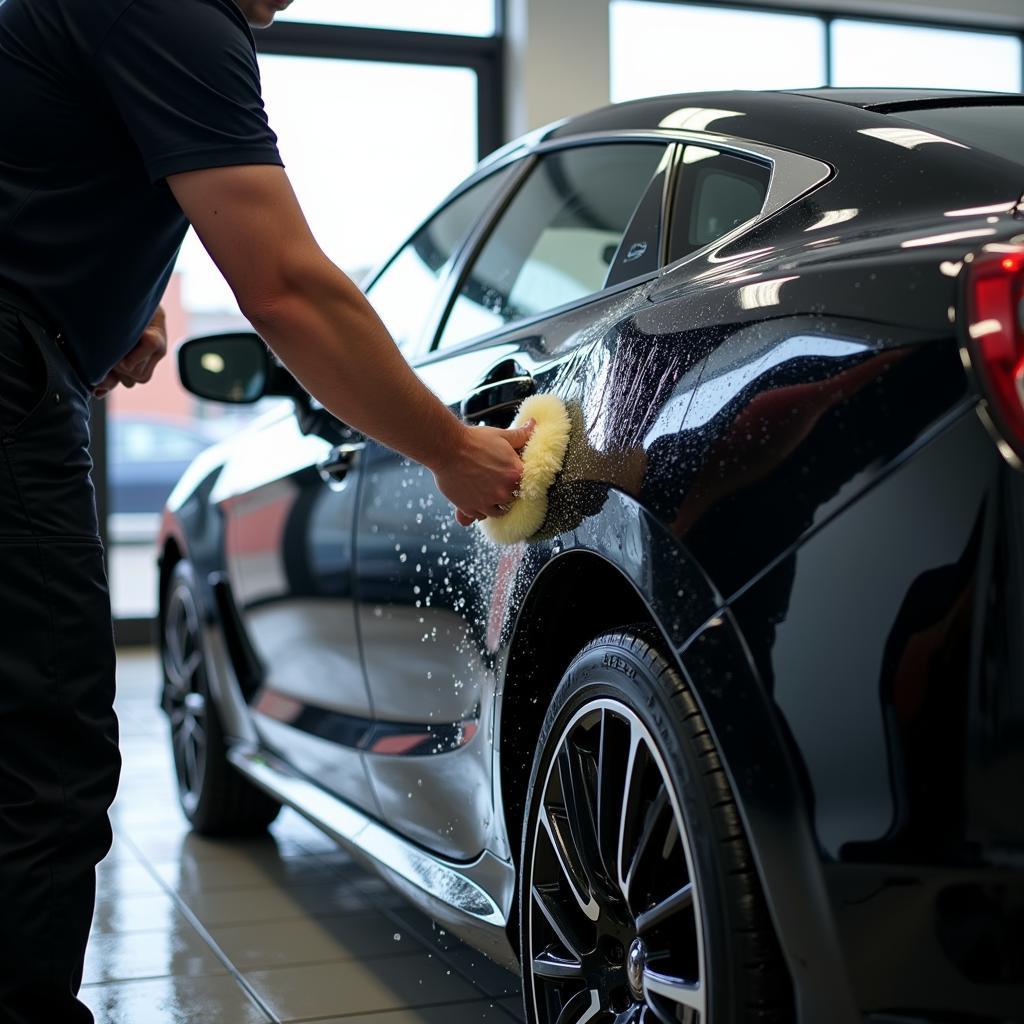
x,y
120,122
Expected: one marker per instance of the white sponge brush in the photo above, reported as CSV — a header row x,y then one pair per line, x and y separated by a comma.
x,y
542,460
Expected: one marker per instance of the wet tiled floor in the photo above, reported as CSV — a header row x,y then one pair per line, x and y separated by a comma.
x,y
285,928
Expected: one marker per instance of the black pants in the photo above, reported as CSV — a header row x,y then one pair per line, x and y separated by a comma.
x,y
59,762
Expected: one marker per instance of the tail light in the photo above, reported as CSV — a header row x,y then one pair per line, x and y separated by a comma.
x,y
995,326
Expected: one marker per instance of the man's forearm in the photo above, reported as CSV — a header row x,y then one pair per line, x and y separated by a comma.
x,y
330,338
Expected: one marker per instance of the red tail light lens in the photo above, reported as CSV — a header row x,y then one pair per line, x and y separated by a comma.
x,y
995,325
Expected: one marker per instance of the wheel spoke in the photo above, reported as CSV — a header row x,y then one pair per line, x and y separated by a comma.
x,y
554,913
624,810
181,735
661,912
191,665
549,965
191,764
609,790
670,839
683,993
654,813
575,878
577,795
583,1007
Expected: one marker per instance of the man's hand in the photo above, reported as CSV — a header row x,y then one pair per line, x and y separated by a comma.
x,y
484,472
137,367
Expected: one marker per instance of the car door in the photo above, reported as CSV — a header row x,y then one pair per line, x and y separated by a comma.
x,y
289,504
582,231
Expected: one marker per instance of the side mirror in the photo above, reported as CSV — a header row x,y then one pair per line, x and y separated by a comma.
x,y
235,368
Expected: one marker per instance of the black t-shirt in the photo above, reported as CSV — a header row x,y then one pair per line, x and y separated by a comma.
x,y
100,100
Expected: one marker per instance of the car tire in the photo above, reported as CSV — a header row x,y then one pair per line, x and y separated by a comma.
x,y
638,899
214,796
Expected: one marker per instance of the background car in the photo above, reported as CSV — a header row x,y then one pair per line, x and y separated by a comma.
x,y
148,454
737,738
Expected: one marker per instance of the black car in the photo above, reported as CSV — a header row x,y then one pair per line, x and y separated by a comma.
x,y
740,736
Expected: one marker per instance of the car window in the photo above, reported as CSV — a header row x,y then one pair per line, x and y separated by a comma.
x,y
404,294
559,239
715,192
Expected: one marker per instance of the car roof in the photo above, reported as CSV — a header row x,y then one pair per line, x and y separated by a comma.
x,y
873,98
820,121
765,106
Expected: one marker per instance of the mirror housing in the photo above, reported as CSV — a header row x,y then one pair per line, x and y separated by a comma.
x,y
236,368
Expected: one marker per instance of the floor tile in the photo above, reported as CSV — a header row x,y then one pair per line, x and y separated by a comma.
x,y
312,929
137,914
119,956
308,940
218,1000
160,845
350,987
244,871
267,903
123,877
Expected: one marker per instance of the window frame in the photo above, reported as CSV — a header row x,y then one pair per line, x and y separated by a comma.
x,y
674,198
482,54
425,339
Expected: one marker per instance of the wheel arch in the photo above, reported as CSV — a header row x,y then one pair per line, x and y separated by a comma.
x,y
592,596
619,568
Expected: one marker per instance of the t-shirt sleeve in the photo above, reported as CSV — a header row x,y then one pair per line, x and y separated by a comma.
x,y
184,78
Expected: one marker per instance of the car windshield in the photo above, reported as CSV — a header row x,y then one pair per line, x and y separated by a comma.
x,y
997,129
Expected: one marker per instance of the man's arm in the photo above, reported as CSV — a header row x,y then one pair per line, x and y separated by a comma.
x,y
328,335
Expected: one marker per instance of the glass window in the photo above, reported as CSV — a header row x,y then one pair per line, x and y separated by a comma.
x,y
353,135
995,129
866,53
404,294
659,48
460,17
558,239
715,193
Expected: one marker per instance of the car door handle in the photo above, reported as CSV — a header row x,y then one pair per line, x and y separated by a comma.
x,y
335,467
497,399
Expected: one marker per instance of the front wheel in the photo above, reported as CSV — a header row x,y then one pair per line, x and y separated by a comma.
x,y
215,797
639,903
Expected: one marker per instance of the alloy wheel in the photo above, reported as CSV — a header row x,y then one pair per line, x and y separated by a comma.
x,y
614,932
184,669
